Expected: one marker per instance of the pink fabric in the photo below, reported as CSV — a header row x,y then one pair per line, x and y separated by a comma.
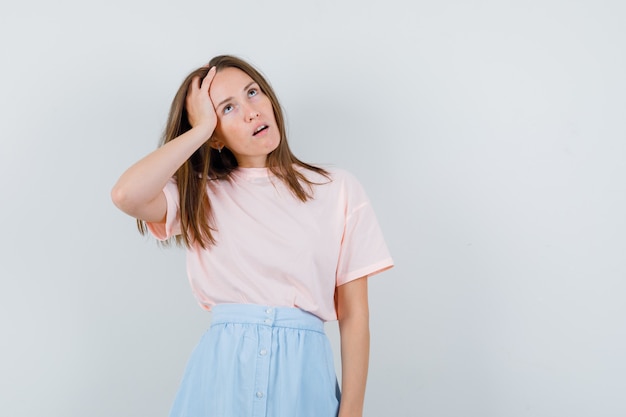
x,y
273,249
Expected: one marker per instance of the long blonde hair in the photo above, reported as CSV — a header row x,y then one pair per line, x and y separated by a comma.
x,y
208,164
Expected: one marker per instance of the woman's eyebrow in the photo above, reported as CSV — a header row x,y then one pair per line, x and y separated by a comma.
x,y
230,98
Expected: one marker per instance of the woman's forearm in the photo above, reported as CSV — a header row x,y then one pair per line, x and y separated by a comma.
x,y
143,182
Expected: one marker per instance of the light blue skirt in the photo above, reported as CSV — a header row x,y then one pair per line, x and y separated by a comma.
x,y
259,361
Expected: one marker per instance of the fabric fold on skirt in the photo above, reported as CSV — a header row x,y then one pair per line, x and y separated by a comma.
x,y
260,361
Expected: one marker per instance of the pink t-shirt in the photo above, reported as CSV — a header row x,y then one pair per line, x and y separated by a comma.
x,y
273,249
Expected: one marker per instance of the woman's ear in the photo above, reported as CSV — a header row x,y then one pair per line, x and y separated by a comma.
x,y
216,144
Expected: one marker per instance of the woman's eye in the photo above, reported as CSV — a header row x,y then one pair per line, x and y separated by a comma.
x,y
252,92
227,108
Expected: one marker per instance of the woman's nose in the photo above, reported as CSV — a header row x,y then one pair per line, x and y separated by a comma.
x,y
251,113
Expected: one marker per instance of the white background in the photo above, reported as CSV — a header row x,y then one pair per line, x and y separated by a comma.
x,y
490,136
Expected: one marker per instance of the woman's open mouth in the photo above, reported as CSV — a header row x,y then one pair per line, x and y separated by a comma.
x,y
260,129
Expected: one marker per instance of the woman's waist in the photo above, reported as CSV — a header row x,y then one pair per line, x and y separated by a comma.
x,y
265,315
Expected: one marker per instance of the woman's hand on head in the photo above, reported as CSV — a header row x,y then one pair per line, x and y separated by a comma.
x,y
200,110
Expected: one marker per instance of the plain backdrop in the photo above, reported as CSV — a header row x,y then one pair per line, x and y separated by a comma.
x,y
490,136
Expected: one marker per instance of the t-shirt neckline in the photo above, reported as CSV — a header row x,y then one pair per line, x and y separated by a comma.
x,y
249,173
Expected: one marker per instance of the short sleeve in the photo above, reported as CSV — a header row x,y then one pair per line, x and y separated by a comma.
x,y
363,248
171,227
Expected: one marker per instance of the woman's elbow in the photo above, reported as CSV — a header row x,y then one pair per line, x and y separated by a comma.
x,y
122,199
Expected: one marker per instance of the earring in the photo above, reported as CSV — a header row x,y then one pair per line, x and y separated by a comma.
x,y
219,150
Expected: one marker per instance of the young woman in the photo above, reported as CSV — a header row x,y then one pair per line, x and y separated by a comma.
x,y
275,247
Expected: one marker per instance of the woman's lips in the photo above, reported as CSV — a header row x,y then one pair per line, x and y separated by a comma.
x,y
260,129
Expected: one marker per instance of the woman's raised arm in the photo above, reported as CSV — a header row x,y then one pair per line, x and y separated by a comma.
x,y
139,191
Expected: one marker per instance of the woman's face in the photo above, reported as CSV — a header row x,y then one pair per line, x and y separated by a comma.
x,y
245,118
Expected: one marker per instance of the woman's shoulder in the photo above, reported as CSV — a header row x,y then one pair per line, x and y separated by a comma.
x,y
338,183
329,174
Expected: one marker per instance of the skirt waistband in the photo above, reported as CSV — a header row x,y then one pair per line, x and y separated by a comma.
x,y
270,316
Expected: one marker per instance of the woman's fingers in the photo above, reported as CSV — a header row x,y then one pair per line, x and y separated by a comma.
x,y
200,110
206,81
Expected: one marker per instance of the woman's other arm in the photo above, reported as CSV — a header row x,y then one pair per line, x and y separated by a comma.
x,y
353,316
139,191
